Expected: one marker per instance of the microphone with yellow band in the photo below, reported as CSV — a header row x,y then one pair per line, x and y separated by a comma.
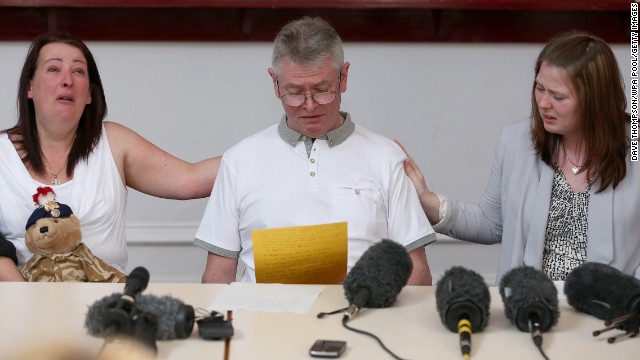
x,y
462,301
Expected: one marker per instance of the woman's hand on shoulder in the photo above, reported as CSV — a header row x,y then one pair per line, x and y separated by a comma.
x,y
413,172
428,199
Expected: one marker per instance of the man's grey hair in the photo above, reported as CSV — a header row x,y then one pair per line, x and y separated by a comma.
x,y
307,41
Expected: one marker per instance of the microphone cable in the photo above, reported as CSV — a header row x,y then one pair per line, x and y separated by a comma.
x,y
363,332
536,335
345,319
323,314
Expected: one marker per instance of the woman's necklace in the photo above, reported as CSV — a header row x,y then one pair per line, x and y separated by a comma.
x,y
55,181
575,169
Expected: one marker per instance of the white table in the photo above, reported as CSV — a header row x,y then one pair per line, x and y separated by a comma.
x,y
38,313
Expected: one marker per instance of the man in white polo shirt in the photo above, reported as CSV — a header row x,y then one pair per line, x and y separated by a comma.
x,y
314,167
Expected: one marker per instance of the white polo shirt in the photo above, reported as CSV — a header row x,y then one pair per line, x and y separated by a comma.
x,y
269,180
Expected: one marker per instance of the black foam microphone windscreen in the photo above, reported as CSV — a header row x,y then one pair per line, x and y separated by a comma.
x,y
602,291
529,295
378,276
175,319
462,293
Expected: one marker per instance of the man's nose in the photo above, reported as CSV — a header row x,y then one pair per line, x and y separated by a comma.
x,y
309,102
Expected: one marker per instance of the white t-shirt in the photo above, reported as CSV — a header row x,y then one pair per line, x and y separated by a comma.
x,y
96,195
265,182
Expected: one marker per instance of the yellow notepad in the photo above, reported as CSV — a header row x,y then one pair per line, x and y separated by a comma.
x,y
315,254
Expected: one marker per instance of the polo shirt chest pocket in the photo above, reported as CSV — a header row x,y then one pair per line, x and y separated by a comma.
x,y
362,207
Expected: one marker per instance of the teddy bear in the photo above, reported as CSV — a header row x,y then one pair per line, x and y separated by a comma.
x,y
54,237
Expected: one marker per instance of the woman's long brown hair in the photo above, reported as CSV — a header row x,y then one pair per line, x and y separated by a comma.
x,y
24,133
595,76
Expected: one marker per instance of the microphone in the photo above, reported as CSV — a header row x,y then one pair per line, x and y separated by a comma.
x,y
175,319
377,277
602,291
137,281
530,301
123,317
119,317
462,301
608,294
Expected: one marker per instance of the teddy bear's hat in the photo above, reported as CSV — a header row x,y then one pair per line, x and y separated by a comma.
x,y
45,199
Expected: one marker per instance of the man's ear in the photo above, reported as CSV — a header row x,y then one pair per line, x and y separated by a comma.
x,y
274,78
345,76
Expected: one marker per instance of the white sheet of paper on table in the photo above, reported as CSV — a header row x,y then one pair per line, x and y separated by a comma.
x,y
267,297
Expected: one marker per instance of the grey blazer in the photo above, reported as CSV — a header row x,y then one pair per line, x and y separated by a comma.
x,y
514,208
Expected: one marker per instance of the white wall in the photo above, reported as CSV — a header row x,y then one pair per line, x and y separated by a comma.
x,y
445,102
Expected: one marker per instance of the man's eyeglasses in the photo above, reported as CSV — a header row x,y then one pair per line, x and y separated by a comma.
x,y
321,98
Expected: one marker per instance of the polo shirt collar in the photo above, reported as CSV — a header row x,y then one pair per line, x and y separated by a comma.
x,y
333,137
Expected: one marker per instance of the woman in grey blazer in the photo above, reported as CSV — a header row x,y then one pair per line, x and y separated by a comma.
x,y
563,189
